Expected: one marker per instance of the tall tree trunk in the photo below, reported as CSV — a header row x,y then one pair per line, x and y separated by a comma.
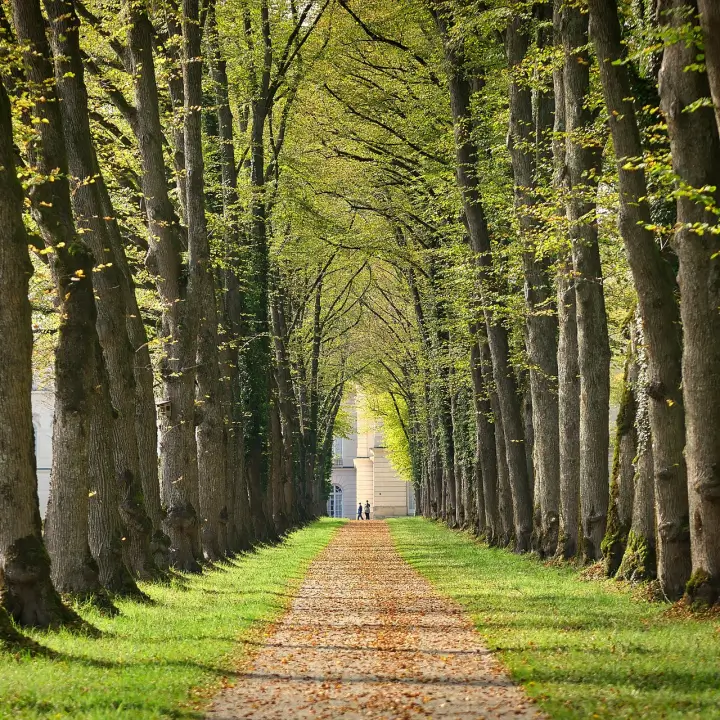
x,y
26,591
568,370
108,282
526,138
178,450
239,525
82,407
697,166
210,429
655,286
505,384
710,22
568,416
582,163
145,412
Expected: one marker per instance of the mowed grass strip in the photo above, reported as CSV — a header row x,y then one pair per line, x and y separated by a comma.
x,y
582,649
163,660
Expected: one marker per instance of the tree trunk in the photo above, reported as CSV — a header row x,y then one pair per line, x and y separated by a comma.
x,y
210,429
82,407
178,449
655,286
106,533
697,166
84,367
486,448
71,265
145,411
710,22
26,591
506,531
582,163
108,282
526,138
478,232
568,370
621,478
639,560
239,524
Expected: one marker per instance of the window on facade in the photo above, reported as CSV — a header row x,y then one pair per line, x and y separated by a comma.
x,y
335,502
338,452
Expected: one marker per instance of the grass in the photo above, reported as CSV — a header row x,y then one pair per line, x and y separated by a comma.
x,y
583,649
166,659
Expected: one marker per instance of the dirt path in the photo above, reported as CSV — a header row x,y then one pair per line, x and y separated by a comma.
x,y
367,636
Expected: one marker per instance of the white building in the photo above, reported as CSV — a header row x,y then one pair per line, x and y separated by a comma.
x,y
43,403
362,472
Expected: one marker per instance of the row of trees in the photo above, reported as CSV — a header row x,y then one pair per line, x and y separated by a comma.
x,y
140,153
479,210
547,174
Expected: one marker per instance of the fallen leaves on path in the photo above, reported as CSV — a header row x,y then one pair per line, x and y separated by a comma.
x,y
368,637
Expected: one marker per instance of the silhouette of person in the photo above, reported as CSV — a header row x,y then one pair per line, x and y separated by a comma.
x,y
360,511
367,509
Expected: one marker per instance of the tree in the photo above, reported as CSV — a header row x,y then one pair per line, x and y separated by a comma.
x,y
683,86
26,590
656,302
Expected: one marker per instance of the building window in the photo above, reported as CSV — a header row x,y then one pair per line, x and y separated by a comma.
x,y
338,452
335,502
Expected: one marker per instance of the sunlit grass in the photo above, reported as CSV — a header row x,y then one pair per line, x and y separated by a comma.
x,y
162,660
583,649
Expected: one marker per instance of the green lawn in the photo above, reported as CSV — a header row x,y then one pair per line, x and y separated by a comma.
x,y
166,659
583,649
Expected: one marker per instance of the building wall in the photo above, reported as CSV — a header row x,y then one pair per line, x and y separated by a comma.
x,y
43,403
390,497
364,480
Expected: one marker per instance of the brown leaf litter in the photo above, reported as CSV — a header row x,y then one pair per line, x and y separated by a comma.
x,y
368,637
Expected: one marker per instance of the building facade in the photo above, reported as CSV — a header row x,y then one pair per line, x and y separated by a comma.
x,y
362,471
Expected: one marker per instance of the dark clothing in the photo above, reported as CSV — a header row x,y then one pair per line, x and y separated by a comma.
x,y
367,515
359,512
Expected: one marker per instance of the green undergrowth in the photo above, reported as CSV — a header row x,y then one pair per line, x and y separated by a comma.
x,y
166,659
582,649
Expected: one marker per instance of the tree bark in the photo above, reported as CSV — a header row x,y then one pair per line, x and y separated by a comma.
x,y
582,164
26,590
655,286
178,450
210,429
639,560
506,529
621,478
486,447
568,370
108,281
697,166
710,23
85,442
525,140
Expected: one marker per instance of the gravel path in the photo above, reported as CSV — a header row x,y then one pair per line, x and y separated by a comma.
x,y
367,636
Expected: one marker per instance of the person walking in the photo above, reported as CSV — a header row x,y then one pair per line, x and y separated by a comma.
x,y
367,509
360,511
